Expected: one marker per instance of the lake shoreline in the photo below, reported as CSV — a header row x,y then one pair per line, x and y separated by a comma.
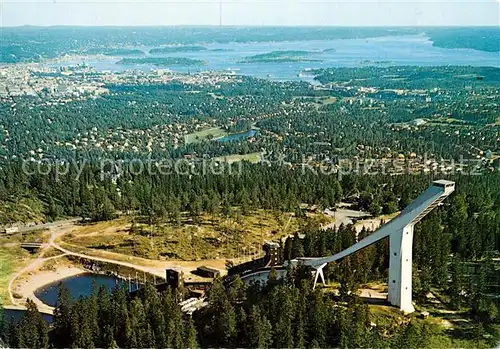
x,y
27,286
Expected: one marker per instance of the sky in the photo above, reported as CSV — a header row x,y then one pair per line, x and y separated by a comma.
x,y
251,12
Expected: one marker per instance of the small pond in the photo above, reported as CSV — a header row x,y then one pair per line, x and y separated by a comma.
x,y
79,286
238,136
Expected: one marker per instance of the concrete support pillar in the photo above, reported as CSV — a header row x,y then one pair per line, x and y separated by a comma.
x,y
400,269
319,272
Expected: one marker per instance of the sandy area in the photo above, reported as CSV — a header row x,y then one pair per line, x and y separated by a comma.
x,y
27,285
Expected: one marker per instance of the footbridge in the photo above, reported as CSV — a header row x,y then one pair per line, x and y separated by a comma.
x,y
33,246
400,233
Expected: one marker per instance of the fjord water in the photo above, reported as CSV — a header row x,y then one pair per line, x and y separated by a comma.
x,y
381,51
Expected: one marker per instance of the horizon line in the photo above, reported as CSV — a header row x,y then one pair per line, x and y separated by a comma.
x,y
388,26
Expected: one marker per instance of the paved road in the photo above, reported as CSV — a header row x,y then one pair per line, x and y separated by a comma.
x,y
47,225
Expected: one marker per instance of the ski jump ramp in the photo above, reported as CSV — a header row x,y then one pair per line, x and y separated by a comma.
x,y
400,233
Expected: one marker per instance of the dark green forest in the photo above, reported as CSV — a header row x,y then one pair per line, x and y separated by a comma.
x,y
471,217
283,313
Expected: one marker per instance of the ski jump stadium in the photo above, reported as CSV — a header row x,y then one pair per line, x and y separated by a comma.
x,y
400,233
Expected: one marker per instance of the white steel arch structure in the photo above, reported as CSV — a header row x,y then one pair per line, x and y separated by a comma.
x,y
400,233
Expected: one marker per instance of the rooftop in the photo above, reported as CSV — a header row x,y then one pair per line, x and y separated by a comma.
x,y
443,182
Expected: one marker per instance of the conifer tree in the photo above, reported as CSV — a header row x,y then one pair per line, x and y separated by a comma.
x,y
190,341
259,329
62,318
14,335
33,328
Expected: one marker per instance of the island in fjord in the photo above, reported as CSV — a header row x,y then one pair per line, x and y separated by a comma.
x,y
162,61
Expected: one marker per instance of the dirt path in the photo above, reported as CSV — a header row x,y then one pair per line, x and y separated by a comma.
x,y
27,287
37,263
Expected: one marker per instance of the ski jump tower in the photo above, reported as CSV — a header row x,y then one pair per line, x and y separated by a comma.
x,y
400,233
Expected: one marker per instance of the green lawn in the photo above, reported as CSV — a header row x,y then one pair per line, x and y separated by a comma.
x,y
12,259
207,134
252,157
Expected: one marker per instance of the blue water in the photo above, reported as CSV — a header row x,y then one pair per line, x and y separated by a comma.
x,y
238,136
78,286
382,51
16,315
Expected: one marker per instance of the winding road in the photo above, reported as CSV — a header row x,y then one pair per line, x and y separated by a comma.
x,y
15,304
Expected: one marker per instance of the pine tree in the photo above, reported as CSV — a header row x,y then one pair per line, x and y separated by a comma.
x,y
345,320
155,317
104,317
237,291
62,318
242,325
190,341
259,329
282,308
457,218
300,332
287,249
14,335
75,325
297,247
92,313
137,323
33,328
226,324
457,286
319,318
175,331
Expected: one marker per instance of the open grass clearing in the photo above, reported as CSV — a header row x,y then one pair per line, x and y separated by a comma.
x,y
318,101
208,134
252,157
12,260
209,237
